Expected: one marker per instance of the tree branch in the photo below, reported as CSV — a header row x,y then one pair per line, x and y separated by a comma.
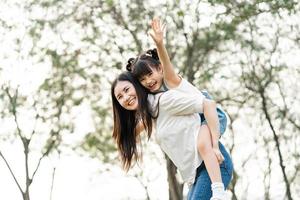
x,y
11,172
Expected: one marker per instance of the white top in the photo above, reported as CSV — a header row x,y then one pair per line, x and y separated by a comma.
x,y
178,126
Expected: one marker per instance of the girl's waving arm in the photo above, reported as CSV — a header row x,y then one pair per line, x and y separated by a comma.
x,y
157,33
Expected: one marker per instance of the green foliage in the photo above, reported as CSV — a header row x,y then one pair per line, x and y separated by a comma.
x,y
101,146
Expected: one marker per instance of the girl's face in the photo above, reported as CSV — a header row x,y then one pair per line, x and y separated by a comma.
x,y
125,94
153,80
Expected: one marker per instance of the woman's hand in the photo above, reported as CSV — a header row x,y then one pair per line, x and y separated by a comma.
x,y
157,30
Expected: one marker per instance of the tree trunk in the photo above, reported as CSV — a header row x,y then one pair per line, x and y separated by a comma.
x,y
175,188
26,196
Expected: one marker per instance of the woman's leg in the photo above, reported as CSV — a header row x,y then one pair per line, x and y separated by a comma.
x,y
201,190
226,166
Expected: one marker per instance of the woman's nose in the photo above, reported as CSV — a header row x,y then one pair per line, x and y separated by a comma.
x,y
126,98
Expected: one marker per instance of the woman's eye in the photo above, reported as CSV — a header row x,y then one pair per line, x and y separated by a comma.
x,y
126,89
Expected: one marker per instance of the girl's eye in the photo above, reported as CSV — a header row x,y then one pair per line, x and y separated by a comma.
x,y
150,73
126,89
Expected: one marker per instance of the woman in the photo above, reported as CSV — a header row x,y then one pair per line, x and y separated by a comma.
x,y
130,109
173,108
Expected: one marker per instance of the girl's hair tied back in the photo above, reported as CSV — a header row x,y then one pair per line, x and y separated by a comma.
x,y
130,64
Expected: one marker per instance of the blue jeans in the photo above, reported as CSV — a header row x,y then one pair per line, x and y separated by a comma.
x,y
201,189
221,115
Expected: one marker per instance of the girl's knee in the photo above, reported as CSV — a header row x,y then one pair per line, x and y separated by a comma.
x,y
204,147
204,140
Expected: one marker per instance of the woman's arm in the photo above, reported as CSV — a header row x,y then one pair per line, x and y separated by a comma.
x,y
157,33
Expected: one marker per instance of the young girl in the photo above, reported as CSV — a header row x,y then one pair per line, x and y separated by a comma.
x,y
159,77
177,129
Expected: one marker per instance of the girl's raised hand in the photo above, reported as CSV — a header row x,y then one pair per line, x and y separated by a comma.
x,y
157,30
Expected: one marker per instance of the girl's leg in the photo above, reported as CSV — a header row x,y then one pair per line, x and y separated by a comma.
x,y
211,162
207,154
201,190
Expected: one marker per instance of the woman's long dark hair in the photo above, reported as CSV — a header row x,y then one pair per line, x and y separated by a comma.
x,y
126,121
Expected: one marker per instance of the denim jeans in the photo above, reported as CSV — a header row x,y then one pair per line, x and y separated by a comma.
x,y
201,189
221,115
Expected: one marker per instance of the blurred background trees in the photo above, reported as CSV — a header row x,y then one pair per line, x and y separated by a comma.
x,y
59,58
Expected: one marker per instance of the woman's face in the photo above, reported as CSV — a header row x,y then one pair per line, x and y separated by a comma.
x,y
125,94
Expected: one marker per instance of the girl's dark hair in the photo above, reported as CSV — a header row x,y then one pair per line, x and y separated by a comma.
x,y
144,63
125,121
